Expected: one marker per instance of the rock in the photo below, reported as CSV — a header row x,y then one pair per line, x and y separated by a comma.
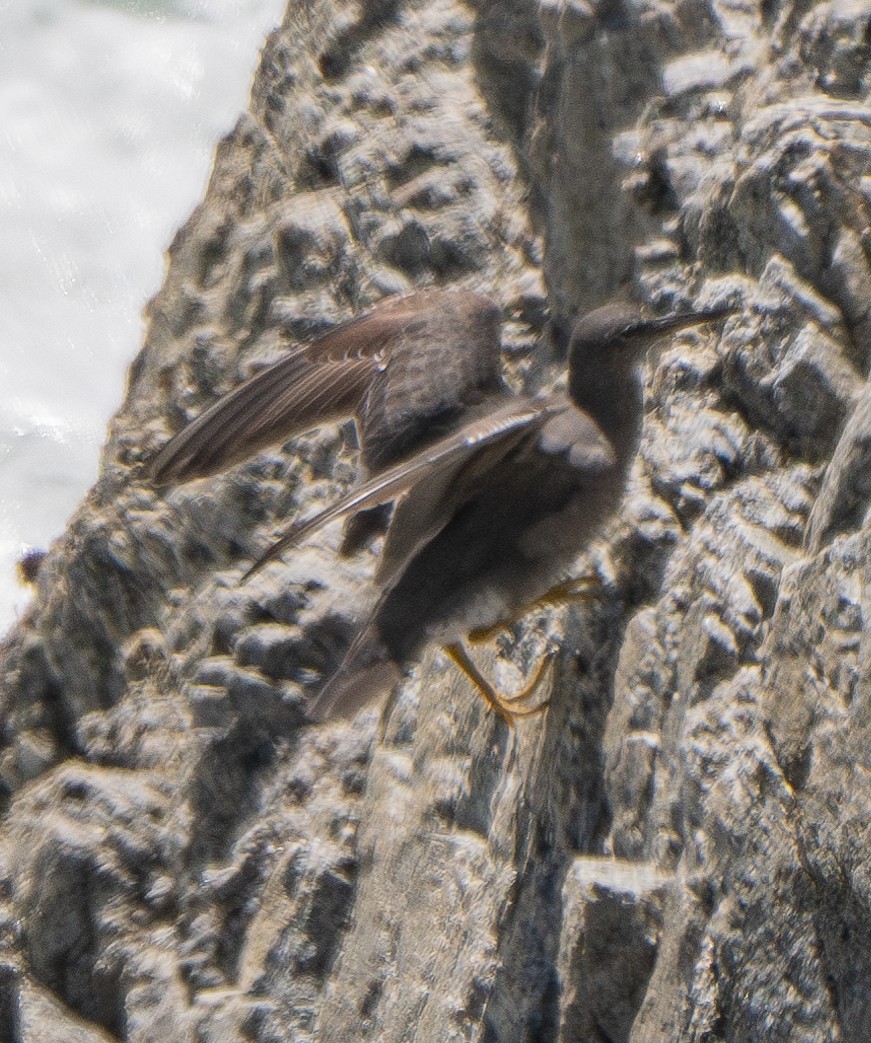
x,y
677,849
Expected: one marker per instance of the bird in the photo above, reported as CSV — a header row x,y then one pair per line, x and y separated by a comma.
x,y
407,370
488,519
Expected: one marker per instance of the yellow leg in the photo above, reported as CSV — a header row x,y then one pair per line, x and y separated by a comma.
x,y
579,588
504,705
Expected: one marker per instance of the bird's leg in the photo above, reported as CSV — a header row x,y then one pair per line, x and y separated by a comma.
x,y
504,705
578,588
581,588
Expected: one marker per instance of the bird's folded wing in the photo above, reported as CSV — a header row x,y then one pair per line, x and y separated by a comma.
x,y
430,504
291,396
502,427
560,431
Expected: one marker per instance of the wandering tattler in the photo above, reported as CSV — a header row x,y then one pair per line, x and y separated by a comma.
x,y
407,370
490,518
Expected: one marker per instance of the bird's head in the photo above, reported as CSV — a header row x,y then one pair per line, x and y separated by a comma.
x,y
615,335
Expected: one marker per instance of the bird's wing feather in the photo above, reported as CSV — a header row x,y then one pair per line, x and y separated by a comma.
x,y
287,398
444,355
371,334
555,427
430,465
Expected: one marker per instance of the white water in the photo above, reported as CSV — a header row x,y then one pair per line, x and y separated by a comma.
x,y
109,114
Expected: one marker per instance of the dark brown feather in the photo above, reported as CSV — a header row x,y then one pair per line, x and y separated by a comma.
x,y
489,520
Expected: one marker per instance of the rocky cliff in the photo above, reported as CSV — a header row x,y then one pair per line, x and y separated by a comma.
x,y
679,848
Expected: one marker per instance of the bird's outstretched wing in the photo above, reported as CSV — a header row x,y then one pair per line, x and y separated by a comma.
x,y
433,466
287,398
337,375
312,385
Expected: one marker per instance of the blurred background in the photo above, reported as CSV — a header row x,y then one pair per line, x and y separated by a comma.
x,y
109,114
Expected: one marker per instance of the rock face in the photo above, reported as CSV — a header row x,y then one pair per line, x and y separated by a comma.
x,y
679,848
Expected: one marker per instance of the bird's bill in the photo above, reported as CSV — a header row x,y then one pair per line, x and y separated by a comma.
x,y
664,324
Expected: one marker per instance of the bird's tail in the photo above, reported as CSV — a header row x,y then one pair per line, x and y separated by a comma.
x,y
365,673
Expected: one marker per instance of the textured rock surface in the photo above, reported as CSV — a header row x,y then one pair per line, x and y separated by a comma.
x,y
678,849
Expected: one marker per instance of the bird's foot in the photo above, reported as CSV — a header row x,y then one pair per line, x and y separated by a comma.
x,y
578,588
508,707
